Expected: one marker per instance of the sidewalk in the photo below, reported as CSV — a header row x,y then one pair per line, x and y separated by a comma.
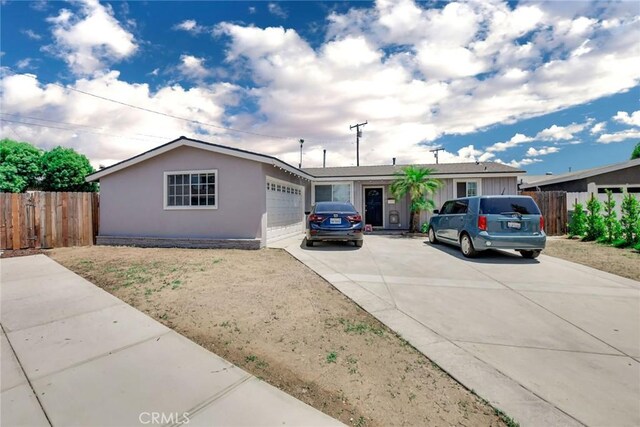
x,y
93,360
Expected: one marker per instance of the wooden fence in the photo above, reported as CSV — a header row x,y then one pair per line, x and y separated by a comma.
x,y
553,205
48,220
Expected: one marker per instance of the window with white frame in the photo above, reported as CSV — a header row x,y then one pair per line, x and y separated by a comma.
x,y
191,189
332,193
466,188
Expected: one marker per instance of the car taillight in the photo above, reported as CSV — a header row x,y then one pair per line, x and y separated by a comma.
x,y
482,223
315,218
354,218
541,223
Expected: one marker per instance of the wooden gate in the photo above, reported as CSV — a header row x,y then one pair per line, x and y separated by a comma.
x,y
48,220
553,205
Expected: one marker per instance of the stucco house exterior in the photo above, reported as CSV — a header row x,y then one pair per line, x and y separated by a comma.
x,y
190,193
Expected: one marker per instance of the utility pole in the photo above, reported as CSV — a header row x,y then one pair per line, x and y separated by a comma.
x,y
358,135
324,158
300,164
435,152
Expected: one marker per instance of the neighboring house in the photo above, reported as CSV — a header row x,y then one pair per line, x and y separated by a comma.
x,y
197,194
580,185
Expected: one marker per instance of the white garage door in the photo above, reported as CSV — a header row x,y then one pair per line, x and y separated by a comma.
x,y
285,209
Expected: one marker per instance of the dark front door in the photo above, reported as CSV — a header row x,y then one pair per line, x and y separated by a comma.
x,y
373,206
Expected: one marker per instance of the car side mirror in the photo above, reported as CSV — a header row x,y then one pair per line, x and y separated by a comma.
x,y
436,211
307,212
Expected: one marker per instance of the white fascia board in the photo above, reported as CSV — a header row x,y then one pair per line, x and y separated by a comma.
x,y
393,177
202,146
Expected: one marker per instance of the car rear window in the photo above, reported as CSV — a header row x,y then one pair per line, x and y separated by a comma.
x,y
498,205
326,207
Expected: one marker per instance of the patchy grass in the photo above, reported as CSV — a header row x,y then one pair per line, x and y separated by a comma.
x,y
269,314
623,262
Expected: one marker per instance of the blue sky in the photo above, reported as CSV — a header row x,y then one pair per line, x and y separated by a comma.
x,y
541,86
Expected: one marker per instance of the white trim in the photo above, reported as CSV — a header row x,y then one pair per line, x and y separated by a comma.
x,y
384,204
200,145
165,199
477,175
478,182
313,189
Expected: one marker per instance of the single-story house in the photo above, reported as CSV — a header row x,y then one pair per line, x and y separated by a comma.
x,y
196,194
580,185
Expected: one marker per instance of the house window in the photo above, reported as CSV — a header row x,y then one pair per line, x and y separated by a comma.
x,y
333,193
466,188
191,190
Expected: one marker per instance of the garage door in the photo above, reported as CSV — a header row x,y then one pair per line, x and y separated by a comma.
x,y
285,209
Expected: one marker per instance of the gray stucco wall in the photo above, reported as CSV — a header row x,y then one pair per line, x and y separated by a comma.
x,y
131,200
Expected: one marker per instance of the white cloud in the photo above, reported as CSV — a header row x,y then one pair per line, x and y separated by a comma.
x,y
90,39
598,128
632,119
31,34
557,133
515,140
193,67
607,138
543,151
24,63
252,10
276,10
519,163
190,26
119,132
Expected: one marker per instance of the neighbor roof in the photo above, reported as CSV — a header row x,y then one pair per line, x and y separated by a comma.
x,y
189,142
469,168
586,173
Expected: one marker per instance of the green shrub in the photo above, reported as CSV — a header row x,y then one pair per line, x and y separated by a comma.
x,y
578,223
611,223
595,223
630,219
620,243
425,227
637,247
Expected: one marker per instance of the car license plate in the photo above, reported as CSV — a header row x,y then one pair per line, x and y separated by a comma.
x,y
335,221
513,224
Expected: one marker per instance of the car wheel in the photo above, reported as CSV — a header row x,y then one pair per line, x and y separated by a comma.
x,y
358,243
466,245
530,254
309,243
432,236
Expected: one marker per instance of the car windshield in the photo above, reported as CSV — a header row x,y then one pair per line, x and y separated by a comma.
x,y
509,205
333,207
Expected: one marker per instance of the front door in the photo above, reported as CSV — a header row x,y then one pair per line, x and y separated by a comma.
x,y
373,206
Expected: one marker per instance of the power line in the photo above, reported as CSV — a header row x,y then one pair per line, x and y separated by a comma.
x,y
72,124
71,130
148,110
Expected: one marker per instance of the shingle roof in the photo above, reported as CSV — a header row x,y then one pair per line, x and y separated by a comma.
x,y
388,170
585,173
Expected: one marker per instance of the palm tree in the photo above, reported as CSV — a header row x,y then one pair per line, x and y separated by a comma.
x,y
416,182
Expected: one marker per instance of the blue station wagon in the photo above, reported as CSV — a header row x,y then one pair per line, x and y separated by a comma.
x,y
490,222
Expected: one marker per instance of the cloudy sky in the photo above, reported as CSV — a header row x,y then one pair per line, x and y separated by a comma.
x,y
542,86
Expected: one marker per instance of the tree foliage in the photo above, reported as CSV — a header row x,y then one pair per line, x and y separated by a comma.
x,y
20,166
418,184
63,169
578,223
630,219
611,223
635,154
595,228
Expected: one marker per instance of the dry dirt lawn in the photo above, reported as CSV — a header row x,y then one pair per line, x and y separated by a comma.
x,y
269,314
623,262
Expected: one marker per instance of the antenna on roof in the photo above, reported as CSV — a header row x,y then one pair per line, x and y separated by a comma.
x,y
435,152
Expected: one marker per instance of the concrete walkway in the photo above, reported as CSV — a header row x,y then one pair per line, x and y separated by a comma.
x,y
73,354
548,341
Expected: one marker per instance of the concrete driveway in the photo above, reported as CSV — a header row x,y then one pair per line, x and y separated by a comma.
x,y
548,341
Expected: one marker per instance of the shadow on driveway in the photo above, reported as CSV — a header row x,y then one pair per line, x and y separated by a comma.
x,y
328,246
490,256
